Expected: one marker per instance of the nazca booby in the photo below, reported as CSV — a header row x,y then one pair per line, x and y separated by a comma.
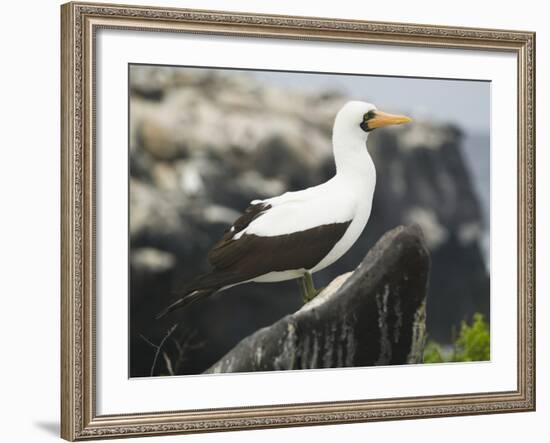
x,y
298,233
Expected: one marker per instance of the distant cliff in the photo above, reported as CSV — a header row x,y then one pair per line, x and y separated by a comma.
x,y
202,145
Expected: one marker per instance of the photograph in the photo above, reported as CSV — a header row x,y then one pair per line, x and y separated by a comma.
x,y
288,220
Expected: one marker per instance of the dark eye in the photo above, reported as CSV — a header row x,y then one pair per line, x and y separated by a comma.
x,y
368,115
365,123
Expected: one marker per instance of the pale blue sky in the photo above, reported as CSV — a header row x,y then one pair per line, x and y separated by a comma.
x,y
463,102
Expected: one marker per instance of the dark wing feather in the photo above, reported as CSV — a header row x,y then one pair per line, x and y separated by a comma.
x,y
217,256
252,255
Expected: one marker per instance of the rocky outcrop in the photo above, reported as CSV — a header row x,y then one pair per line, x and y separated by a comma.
x,y
372,316
203,144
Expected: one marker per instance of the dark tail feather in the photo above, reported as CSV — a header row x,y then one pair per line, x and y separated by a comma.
x,y
186,300
201,287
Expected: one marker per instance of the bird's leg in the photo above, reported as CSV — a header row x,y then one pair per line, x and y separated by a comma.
x,y
307,287
303,290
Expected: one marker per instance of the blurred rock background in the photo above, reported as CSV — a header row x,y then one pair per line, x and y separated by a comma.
x,y
204,143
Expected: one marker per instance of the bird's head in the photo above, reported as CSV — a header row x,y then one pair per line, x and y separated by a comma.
x,y
360,118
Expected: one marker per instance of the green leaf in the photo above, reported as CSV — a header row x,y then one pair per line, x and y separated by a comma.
x,y
472,344
433,353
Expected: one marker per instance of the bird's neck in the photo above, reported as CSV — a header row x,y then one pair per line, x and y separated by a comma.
x,y
352,157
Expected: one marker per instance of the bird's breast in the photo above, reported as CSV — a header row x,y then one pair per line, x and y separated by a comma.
x,y
360,218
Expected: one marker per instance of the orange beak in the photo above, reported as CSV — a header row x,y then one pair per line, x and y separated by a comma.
x,y
381,119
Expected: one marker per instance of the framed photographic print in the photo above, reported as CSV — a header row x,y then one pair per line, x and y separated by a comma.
x,y
282,221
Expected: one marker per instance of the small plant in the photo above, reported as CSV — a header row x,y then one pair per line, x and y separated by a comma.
x,y
433,353
472,344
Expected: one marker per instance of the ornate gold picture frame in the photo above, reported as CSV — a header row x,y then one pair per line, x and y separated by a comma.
x,y
80,23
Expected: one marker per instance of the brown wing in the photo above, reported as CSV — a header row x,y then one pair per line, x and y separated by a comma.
x,y
217,254
252,255
238,260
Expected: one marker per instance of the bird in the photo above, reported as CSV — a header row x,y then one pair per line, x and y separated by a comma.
x,y
298,233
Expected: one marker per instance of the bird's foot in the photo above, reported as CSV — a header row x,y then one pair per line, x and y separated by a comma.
x,y
310,295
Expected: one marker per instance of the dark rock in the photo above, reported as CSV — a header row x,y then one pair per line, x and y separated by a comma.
x,y
373,316
423,179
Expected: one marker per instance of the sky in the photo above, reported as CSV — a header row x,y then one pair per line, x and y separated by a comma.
x,y
463,102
